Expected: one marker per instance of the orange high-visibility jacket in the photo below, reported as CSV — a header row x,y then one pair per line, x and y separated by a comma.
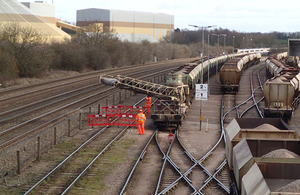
x,y
140,118
148,102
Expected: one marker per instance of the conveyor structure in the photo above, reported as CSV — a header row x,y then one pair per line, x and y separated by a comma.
x,y
172,102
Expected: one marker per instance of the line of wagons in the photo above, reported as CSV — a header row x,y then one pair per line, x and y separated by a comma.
x,y
281,90
231,68
188,74
263,154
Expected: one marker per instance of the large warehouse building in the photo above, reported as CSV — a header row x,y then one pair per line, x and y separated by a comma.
x,y
43,9
131,26
14,12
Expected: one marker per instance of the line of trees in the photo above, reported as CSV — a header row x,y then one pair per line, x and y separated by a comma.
x,y
24,52
233,38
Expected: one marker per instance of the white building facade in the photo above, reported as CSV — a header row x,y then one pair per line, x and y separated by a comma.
x,y
43,9
131,26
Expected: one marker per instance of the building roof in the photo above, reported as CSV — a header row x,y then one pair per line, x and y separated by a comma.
x,y
13,11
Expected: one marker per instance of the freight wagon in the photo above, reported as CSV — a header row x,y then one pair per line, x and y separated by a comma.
x,y
281,92
231,72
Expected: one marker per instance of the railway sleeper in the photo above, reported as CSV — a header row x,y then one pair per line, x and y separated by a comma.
x,y
206,159
164,186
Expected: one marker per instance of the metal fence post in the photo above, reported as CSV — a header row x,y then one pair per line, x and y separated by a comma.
x,y
80,126
38,148
18,163
69,127
54,142
90,112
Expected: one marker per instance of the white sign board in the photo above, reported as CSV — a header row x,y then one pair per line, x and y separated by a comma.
x,y
201,88
201,92
201,96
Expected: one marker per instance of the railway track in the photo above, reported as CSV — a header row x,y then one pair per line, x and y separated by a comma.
x,y
42,106
177,167
248,102
63,177
57,109
7,93
183,168
184,172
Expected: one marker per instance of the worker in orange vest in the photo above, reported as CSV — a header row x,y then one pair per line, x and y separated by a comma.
x,y
148,104
140,119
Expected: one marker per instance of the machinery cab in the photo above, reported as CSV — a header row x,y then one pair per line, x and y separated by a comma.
x,y
174,80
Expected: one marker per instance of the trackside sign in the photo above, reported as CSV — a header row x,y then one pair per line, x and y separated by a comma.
x,y
201,92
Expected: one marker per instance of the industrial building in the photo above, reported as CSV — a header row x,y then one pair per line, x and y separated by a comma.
x,y
131,26
43,9
13,11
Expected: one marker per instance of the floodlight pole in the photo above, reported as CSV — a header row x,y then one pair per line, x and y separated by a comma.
x,y
233,44
208,63
224,42
217,54
202,27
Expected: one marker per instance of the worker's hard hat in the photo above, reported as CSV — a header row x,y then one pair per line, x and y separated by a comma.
x,y
140,110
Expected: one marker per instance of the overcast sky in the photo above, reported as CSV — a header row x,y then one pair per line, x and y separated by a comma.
x,y
241,16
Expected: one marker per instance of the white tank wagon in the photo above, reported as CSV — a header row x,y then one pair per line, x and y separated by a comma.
x,y
190,73
281,56
275,67
231,72
282,94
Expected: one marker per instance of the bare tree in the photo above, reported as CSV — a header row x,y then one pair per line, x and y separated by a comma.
x,y
27,46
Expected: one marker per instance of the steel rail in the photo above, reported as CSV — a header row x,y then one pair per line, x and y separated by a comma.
x,y
223,115
214,177
15,139
91,74
10,99
81,90
111,90
58,86
53,111
245,101
169,160
253,96
237,108
137,161
202,167
75,151
195,164
140,157
92,162
163,165
68,157
94,73
252,91
50,98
